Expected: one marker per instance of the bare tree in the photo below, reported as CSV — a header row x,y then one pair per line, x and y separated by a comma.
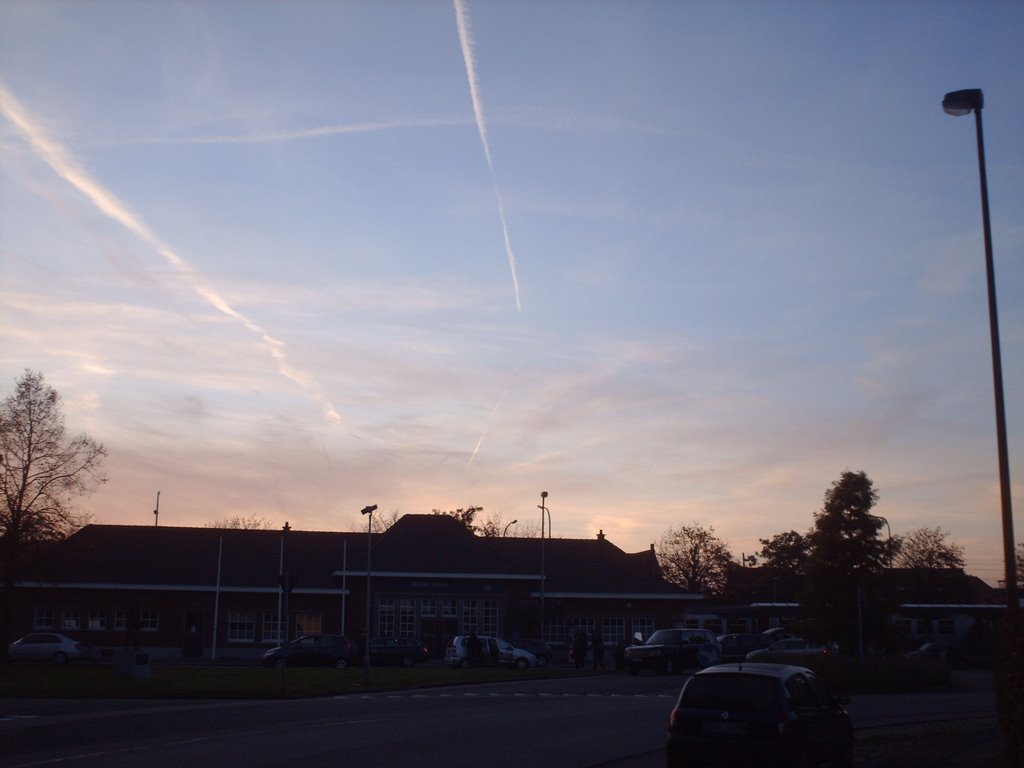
x,y
927,548
384,520
41,474
695,559
250,522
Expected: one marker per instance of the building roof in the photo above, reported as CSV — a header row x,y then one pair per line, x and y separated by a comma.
x,y
123,556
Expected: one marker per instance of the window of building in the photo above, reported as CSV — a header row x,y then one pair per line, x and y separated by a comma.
x,y
643,626
149,621
737,626
385,617
241,627
584,624
613,630
43,618
489,617
271,628
428,607
716,625
945,627
70,618
308,623
469,616
924,627
120,620
903,626
449,609
97,619
406,617
692,622
554,631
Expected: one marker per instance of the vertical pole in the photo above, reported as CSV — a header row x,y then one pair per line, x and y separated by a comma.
x,y
997,379
216,598
344,575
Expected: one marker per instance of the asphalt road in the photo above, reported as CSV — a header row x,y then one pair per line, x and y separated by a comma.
x,y
614,721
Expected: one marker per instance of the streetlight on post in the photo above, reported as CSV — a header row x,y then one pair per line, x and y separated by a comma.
x,y
960,103
543,512
366,640
507,527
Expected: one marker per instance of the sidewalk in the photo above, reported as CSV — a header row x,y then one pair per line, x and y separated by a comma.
x,y
974,743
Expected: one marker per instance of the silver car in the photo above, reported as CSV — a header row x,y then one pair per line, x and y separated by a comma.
x,y
46,646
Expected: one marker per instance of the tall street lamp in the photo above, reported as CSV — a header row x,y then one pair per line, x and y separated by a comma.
x,y
366,640
963,103
543,512
507,527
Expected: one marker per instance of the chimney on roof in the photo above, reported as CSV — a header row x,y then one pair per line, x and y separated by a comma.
x,y
652,547
600,535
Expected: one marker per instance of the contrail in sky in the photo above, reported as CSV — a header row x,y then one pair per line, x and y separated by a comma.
x,y
466,41
483,434
305,133
65,166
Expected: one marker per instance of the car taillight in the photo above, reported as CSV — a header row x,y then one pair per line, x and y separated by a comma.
x,y
785,723
673,720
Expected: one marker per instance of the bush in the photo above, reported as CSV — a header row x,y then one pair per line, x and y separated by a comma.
x,y
1009,677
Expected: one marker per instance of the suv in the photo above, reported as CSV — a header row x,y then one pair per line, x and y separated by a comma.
x,y
673,650
759,714
311,651
493,651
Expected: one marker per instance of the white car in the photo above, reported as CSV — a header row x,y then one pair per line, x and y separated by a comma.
x,y
46,646
493,651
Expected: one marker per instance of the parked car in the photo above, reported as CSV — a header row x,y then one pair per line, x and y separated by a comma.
x,y
46,646
736,647
493,651
312,651
673,650
940,652
795,646
404,651
538,648
759,714
778,633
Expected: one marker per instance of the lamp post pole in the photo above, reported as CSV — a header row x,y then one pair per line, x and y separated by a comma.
x,y
507,527
963,103
543,512
366,640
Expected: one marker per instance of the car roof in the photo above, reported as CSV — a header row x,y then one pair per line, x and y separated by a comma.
x,y
760,669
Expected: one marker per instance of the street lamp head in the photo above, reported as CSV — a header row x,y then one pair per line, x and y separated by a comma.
x,y
368,510
543,494
963,102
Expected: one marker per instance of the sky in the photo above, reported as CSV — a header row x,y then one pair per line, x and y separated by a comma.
x,y
670,262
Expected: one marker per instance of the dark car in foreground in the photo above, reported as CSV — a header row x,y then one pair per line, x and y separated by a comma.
x,y
312,651
46,646
403,651
758,714
673,650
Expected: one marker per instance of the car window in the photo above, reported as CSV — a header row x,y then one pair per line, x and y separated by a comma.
x,y
800,694
746,693
664,636
819,690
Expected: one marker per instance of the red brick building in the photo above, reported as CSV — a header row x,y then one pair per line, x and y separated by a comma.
x,y
218,592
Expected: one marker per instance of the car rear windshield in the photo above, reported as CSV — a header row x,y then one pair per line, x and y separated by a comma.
x,y
748,693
